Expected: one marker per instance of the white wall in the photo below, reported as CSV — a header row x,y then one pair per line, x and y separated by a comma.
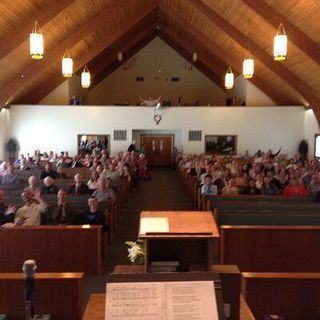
x,y
245,91
60,95
57,127
121,85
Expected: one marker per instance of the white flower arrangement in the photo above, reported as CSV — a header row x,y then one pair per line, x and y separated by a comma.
x,y
136,251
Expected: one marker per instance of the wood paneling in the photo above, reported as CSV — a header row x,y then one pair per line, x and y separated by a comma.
x,y
271,248
54,248
293,295
57,294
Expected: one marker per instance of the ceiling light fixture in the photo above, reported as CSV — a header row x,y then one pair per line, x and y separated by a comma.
x,y
85,78
280,43
36,43
229,79
67,62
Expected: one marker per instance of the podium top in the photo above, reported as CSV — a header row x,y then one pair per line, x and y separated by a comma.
x,y
177,224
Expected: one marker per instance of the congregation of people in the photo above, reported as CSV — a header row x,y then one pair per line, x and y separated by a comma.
x,y
263,173
46,173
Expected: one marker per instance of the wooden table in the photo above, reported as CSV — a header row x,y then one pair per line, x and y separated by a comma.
x,y
189,237
96,308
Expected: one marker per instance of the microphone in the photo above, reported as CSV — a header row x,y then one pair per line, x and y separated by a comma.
x,y
28,268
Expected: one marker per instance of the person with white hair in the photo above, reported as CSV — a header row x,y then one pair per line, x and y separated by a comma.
x,y
49,186
79,187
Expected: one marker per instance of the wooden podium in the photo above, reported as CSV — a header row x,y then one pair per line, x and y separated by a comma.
x,y
188,238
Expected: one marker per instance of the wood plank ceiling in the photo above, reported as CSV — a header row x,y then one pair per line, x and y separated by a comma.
x,y
222,32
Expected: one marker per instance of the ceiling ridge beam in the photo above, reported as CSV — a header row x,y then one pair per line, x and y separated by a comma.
x,y
298,37
9,90
51,84
281,71
22,33
121,44
113,63
210,68
209,43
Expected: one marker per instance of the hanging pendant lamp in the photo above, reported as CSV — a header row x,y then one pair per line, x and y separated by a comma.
x,y
85,78
36,43
229,79
280,44
248,68
67,65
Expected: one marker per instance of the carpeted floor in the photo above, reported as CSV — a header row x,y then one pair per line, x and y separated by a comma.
x,y
164,191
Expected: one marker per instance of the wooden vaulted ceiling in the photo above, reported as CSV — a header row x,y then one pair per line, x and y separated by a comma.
x,y
222,32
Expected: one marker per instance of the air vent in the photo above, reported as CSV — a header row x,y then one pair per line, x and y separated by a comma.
x,y
120,135
194,135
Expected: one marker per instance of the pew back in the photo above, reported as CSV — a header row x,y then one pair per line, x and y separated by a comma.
x,y
57,294
55,248
271,248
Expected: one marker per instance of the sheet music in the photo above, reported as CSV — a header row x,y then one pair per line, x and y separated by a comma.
x,y
135,301
154,225
194,300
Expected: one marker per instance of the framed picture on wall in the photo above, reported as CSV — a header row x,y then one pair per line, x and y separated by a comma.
x,y
221,144
88,142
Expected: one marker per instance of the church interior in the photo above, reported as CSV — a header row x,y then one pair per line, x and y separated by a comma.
x,y
159,159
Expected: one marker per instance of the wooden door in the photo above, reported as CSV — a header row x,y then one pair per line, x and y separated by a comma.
x,y
158,149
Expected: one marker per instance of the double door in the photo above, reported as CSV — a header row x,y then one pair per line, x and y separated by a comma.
x,y
158,149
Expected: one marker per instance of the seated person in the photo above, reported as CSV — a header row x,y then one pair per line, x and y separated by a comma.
x,y
79,187
208,188
9,177
143,167
30,213
93,181
230,188
112,173
91,215
61,174
48,172
33,182
62,213
268,188
294,188
49,186
251,188
76,162
104,192
6,211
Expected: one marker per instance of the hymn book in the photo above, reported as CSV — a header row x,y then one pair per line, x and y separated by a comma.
x,y
191,300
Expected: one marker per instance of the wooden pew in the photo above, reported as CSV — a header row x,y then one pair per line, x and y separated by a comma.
x,y
293,295
57,294
55,248
271,248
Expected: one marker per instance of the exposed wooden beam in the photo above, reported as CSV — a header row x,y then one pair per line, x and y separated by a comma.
x,y
215,73
299,38
280,70
11,90
21,34
135,34
212,46
37,94
132,47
